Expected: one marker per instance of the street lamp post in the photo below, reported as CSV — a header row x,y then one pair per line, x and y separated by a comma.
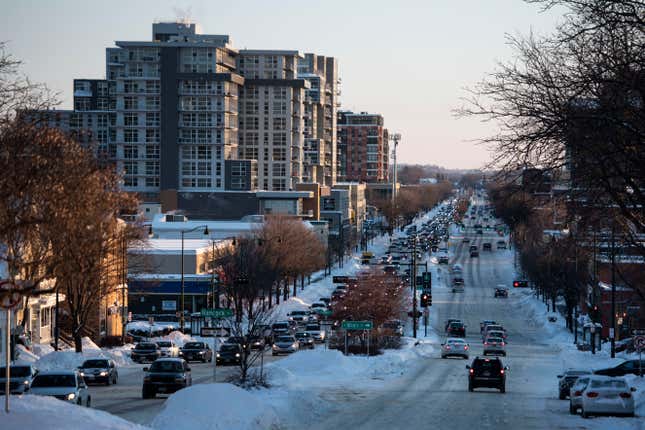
x,y
182,317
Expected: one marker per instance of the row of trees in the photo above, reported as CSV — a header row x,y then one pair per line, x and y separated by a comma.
x,y
59,209
572,104
410,201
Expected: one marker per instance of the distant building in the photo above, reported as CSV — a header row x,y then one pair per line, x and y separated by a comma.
x,y
363,147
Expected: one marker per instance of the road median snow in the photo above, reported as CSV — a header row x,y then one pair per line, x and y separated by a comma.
x,y
215,407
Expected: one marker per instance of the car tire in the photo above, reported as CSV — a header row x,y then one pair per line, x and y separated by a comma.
x,y
561,395
88,403
273,354
116,379
584,414
502,389
148,394
79,402
572,410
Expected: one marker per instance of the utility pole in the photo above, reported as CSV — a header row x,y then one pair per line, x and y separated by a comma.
x,y
414,286
612,329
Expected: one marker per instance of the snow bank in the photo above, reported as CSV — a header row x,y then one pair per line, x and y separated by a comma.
x,y
215,407
36,412
70,359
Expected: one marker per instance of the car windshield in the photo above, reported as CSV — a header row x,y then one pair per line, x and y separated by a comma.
x,y
95,363
164,344
577,372
54,381
495,339
229,348
302,334
612,383
166,366
456,325
313,327
285,339
455,341
194,345
280,325
303,312
494,328
16,371
146,346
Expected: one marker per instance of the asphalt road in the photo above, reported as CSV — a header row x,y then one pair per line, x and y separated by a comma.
x,y
125,401
433,394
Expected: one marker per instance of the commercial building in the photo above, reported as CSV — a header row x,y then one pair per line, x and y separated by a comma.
x,y
363,147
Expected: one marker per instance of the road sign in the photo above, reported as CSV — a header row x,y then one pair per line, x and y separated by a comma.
x,y
638,332
217,313
324,312
357,325
639,343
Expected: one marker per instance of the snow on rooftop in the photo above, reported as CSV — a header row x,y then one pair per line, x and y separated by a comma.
x,y
173,246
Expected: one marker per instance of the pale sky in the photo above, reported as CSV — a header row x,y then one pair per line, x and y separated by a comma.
x,y
408,60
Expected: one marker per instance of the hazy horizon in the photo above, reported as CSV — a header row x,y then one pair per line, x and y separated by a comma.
x,y
409,62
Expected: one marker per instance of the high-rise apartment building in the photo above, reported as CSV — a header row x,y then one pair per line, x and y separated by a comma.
x,y
363,147
186,114
321,106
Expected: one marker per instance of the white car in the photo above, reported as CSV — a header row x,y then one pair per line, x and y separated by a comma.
x,y
168,348
454,347
494,345
315,332
575,393
66,385
607,395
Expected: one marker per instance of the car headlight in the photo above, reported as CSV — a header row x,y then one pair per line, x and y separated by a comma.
x,y
237,354
25,382
201,352
294,345
217,355
275,346
82,373
104,373
71,396
146,379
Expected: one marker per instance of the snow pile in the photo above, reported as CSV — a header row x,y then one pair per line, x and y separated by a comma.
x,y
34,412
26,355
70,359
215,407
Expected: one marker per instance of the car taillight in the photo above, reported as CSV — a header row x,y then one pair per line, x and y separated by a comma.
x,y
486,343
466,347
592,394
501,371
625,395
577,393
472,371
503,344
447,346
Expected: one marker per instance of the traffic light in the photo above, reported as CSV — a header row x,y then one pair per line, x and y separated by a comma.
x,y
426,300
520,284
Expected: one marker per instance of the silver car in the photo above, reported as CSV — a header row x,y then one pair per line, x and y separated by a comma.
x,y
454,347
67,385
607,395
494,345
575,394
168,348
316,332
20,378
285,345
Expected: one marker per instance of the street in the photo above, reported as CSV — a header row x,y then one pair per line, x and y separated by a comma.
x,y
434,394
124,399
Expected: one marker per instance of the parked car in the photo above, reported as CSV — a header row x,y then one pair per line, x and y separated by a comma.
x,y
626,344
305,340
568,380
21,376
285,345
229,353
67,385
487,372
629,367
101,370
454,347
607,396
494,345
145,351
166,375
456,329
196,351
501,244
501,292
168,348
316,332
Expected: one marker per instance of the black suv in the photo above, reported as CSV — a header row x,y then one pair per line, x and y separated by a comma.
x,y
487,372
229,353
456,329
166,375
99,370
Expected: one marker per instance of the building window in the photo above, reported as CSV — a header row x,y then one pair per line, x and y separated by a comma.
x,y
130,151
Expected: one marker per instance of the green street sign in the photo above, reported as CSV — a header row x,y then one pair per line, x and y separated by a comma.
x,y
325,312
357,325
217,313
